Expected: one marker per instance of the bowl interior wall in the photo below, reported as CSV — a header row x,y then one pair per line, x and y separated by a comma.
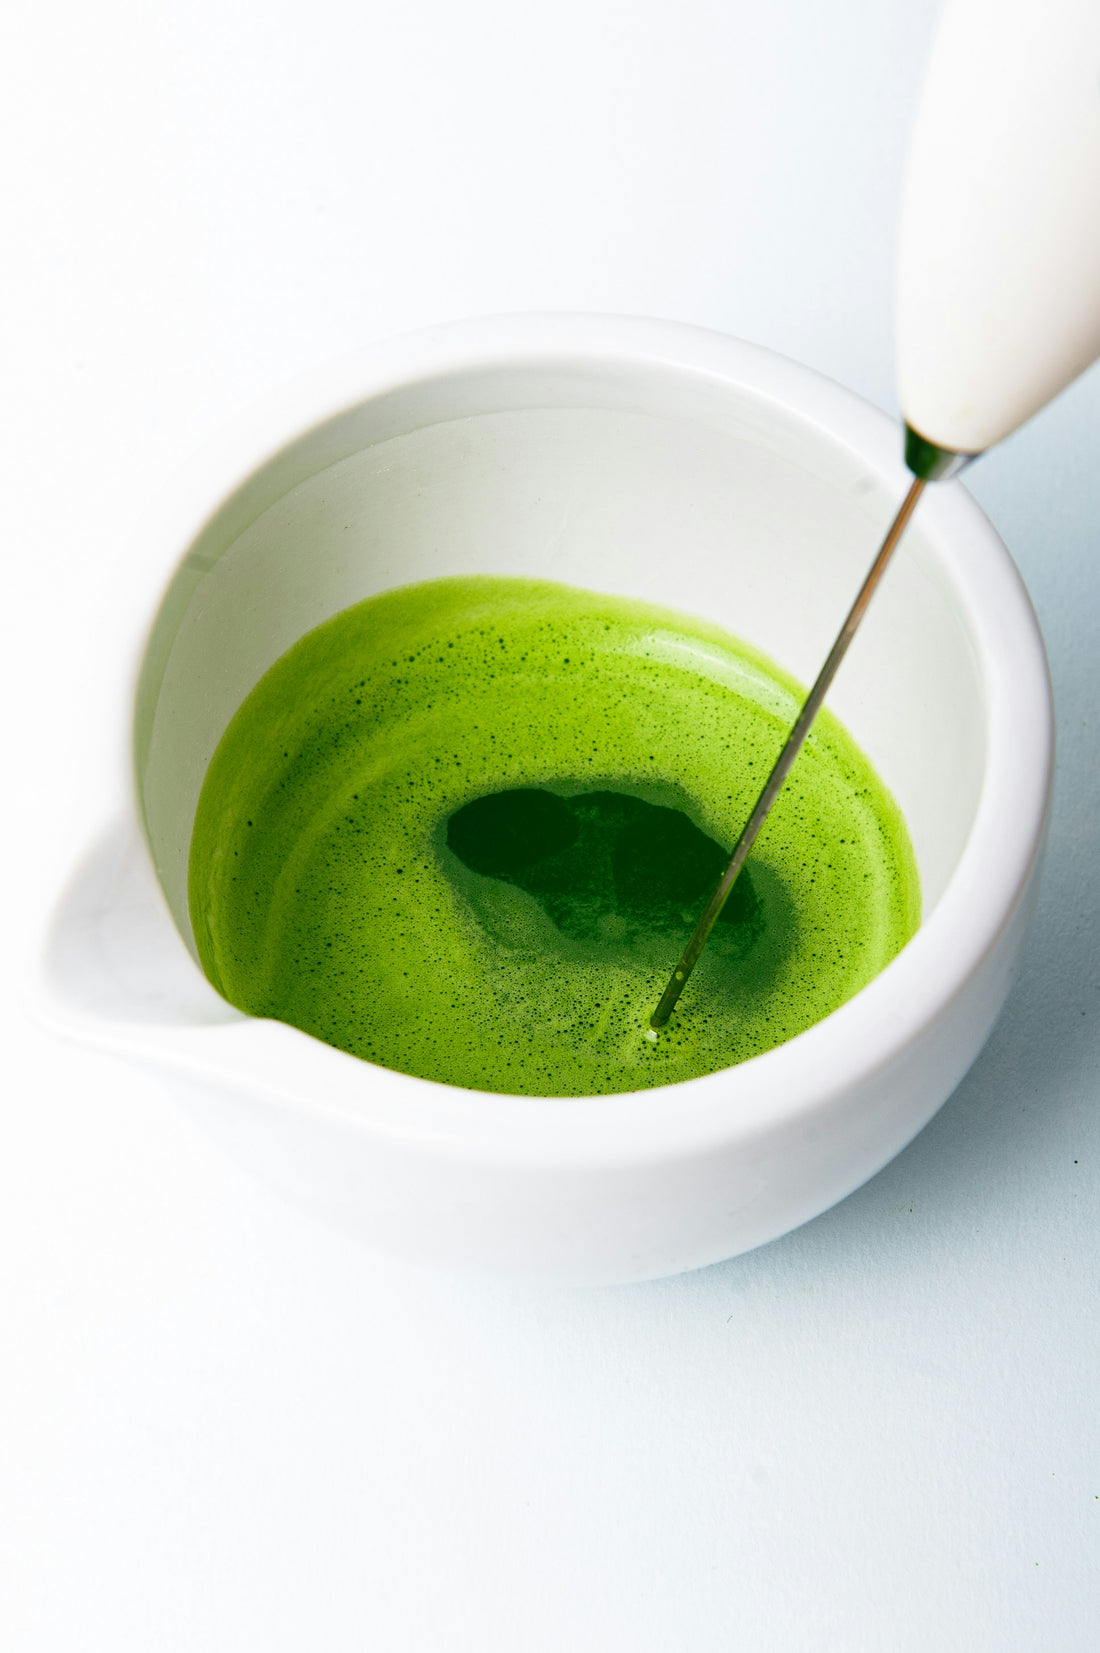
x,y
666,487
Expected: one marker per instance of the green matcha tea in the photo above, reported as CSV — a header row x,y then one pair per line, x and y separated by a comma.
x,y
465,828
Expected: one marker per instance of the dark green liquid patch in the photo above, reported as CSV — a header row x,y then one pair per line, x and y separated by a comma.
x,y
605,867
465,828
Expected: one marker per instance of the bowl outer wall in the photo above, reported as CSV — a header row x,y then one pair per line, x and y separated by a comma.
x,y
815,1078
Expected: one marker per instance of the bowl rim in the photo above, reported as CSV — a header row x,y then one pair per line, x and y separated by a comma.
x,y
818,1067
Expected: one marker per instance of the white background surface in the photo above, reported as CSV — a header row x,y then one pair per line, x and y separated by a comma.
x,y
226,1429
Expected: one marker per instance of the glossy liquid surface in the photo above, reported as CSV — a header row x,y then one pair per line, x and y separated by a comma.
x,y
463,829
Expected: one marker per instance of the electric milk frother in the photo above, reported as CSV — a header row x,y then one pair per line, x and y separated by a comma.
x,y
998,304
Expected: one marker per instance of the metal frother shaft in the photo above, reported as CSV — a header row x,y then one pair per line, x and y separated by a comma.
x,y
791,749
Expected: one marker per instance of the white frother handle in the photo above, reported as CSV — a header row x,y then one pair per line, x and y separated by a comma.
x,y
999,266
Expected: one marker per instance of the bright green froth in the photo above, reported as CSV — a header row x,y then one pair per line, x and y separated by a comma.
x,y
323,893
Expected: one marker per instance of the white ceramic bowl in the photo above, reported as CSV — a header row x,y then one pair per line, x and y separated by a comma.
x,y
654,461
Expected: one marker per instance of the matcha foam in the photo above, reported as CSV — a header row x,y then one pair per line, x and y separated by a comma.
x,y
464,829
